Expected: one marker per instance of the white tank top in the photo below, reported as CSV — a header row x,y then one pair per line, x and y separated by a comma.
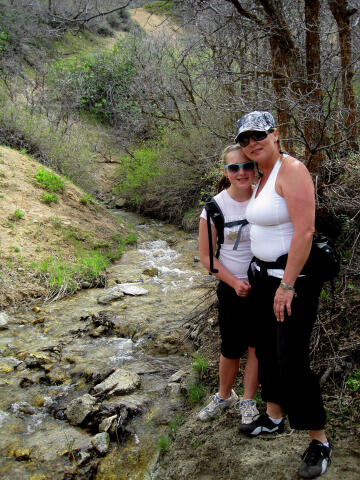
x,y
271,228
236,261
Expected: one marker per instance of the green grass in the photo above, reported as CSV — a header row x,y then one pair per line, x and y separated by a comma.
x,y
18,214
49,198
353,382
164,444
160,7
49,181
200,364
86,199
196,393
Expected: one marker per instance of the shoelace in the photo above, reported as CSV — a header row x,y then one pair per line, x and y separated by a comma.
x,y
245,407
312,453
213,404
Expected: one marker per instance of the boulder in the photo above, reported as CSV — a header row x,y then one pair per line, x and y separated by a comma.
x,y
4,320
101,442
80,408
121,381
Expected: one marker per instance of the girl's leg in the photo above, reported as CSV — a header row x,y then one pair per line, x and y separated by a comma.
x,y
228,370
251,381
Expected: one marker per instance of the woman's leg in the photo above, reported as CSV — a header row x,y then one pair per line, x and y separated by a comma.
x,y
251,381
228,370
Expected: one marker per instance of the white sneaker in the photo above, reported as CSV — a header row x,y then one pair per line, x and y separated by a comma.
x,y
216,405
247,410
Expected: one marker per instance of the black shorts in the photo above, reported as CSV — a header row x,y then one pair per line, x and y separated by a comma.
x,y
235,321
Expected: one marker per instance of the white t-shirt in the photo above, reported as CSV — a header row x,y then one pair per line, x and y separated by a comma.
x,y
236,261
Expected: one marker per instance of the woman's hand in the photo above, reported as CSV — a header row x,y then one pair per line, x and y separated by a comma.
x,y
282,300
241,287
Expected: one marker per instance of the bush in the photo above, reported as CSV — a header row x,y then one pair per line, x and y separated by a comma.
x,y
18,214
49,198
49,181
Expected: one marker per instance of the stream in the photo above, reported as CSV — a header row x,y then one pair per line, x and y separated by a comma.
x,y
56,359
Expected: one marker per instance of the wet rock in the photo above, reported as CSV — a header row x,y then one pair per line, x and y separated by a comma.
x,y
80,408
36,309
121,381
110,297
26,382
57,376
21,454
36,321
85,285
36,360
151,272
173,389
196,259
120,202
98,332
4,320
107,423
131,289
111,282
177,376
101,442
82,458
23,407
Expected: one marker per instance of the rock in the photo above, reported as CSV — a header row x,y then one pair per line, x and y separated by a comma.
x,y
36,309
120,202
20,454
110,296
131,289
121,381
4,320
38,320
23,407
101,442
177,376
196,259
151,272
80,408
85,285
82,458
111,282
107,423
173,389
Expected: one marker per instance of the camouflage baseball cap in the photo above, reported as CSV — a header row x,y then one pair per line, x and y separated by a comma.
x,y
258,120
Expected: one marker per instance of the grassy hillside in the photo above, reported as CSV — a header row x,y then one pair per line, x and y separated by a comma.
x,y
54,237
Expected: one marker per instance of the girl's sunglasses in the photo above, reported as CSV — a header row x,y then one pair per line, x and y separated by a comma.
x,y
244,138
235,167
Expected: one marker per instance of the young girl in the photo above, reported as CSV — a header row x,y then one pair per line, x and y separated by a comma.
x,y
234,291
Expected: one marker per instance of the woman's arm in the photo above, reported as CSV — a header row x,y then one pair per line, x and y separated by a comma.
x,y
241,287
295,185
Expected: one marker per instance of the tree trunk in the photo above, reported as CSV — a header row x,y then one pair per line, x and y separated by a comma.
x,y
313,117
342,14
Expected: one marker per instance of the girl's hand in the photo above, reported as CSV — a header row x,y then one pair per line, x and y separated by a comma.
x,y
282,300
242,287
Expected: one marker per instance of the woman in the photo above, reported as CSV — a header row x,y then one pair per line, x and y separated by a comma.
x,y
234,289
281,214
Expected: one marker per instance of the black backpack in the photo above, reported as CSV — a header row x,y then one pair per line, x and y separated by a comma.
x,y
214,212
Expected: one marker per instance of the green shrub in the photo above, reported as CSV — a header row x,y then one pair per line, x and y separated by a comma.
x,y
200,364
49,181
353,381
159,7
49,198
131,239
164,444
18,214
86,199
196,393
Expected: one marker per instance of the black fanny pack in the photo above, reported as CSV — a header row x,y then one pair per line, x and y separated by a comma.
x,y
323,262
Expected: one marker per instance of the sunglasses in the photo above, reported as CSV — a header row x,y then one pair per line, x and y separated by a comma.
x,y
244,138
235,167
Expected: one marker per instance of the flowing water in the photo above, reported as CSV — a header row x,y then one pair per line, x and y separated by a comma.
x,y
48,356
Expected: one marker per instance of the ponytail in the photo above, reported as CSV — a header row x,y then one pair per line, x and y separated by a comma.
x,y
222,184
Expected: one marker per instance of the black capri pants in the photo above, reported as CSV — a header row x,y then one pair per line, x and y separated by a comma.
x,y
282,349
235,321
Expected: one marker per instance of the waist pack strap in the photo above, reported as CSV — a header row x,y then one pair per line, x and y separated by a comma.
x,y
280,263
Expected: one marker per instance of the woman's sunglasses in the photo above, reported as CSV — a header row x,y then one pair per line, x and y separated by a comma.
x,y
244,138
235,167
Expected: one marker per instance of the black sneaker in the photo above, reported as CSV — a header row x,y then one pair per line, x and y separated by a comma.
x,y
262,425
315,460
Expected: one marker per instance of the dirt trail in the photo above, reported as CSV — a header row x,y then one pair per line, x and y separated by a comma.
x,y
153,23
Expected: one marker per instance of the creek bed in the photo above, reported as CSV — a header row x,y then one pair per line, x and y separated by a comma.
x,y
60,353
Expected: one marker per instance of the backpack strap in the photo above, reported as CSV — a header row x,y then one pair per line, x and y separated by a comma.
x,y
214,212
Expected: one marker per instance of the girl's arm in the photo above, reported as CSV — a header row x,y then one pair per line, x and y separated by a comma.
x,y
241,287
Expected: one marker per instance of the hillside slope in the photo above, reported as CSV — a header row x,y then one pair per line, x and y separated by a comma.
x,y
70,232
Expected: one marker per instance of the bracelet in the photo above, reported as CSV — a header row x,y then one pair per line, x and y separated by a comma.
x,y
286,286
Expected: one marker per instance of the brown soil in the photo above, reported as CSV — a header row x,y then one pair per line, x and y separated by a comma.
x,y
215,450
44,230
